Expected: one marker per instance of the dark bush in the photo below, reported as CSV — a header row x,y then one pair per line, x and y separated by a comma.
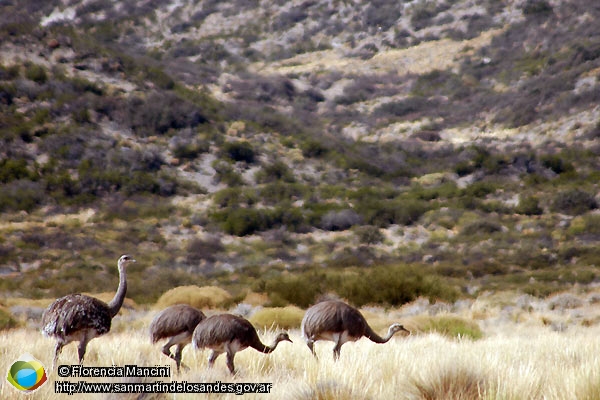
x,y
529,205
481,227
240,151
13,169
36,73
403,107
573,202
369,234
203,249
277,171
21,195
536,7
340,220
382,14
394,285
161,112
556,164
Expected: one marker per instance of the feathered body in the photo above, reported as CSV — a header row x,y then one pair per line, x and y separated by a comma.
x,y
177,323
339,322
228,333
80,318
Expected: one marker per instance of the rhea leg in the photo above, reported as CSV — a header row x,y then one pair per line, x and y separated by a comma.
x,y
230,355
178,354
311,345
338,347
81,348
212,357
57,350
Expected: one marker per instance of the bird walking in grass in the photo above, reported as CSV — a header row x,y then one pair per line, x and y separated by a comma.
x,y
177,323
339,322
80,318
227,333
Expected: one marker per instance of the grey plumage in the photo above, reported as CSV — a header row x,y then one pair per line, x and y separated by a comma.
x,y
177,323
339,322
80,318
227,333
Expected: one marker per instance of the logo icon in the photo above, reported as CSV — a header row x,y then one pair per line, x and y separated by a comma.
x,y
27,374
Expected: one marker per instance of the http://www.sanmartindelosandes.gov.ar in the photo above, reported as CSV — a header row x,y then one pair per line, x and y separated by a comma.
x,y
26,374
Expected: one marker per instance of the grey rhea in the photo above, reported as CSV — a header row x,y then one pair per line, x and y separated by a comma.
x,y
339,322
228,333
177,323
80,318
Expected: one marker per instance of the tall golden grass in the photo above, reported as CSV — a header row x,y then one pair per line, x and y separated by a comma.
x,y
513,362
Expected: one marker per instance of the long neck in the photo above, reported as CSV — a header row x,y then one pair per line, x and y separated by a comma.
x,y
376,338
258,345
115,304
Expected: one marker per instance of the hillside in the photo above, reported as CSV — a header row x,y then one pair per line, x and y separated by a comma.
x,y
296,148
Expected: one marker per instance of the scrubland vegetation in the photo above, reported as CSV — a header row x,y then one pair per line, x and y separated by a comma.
x,y
258,156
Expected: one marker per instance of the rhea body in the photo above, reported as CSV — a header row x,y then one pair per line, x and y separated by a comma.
x,y
80,318
339,322
228,333
177,323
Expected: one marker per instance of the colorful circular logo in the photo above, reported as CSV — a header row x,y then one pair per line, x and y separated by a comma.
x,y
27,374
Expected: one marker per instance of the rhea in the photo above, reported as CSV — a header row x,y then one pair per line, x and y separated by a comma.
x,y
339,322
177,323
80,318
228,333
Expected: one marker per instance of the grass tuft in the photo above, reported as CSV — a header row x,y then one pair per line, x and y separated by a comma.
x,y
199,297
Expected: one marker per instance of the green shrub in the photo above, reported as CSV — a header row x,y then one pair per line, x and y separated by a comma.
x,y
240,151
12,169
36,73
536,7
277,171
301,290
448,325
394,285
529,205
573,202
288,317
199,297
481,227
556,164
7,321
369,234
190,150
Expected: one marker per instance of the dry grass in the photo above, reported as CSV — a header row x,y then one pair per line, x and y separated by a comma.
x,y
277,317
517,362
199,297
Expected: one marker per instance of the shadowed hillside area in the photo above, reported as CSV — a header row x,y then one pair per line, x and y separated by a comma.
x,y
289,150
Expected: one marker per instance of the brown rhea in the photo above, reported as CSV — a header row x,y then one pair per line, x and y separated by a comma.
x,y
228,333
339,322
80,318
177,323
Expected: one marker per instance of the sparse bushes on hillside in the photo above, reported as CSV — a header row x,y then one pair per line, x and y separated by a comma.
x,y
573,201
529,205
240,151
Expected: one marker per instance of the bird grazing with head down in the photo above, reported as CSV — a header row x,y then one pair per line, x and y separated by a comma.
x,y
177,323
228,333
80,318
339,322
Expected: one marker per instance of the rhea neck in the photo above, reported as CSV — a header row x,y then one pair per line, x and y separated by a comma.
x,y
115,304
378,339
267,349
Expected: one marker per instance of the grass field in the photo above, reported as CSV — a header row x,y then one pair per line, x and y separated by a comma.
x,y
522,358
